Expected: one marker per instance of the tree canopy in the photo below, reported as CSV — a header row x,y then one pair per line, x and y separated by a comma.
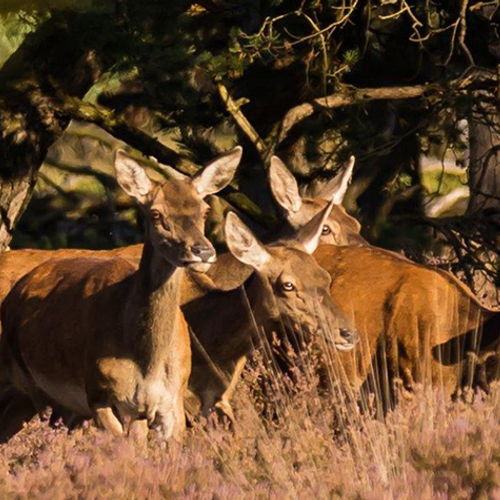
x,y
400,84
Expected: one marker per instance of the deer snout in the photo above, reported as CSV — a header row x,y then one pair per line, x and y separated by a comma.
x,y
199,257
348,339
205,253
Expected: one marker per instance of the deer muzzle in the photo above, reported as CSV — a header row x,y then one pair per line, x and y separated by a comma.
x,y
345,340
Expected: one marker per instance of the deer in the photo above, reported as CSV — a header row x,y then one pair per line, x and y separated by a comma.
x,y
340,228
258,287
228,274
423,323
104,338
262,290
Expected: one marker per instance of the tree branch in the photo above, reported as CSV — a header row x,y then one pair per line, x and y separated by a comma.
x,y
346,97
119,128
349,96
76,108
245,126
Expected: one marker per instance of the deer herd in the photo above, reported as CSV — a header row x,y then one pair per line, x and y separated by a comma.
x,y
143,337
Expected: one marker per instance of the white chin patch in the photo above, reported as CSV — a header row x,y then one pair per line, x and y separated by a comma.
x,y
199,267
344,346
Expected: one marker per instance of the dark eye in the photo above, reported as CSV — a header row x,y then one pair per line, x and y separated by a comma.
x,y
155,215
287,286
326,230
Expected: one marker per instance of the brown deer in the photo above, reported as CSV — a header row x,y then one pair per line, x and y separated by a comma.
x,y
277,288
424,323
340,228
105,339
259,287
226,275
428,326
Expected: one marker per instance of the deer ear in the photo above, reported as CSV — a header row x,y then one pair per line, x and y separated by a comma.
x,y
336,188
284,187
132,177
243,244
218,174
309,235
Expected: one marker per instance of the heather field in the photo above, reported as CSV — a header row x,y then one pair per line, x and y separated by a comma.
x,y
181,178
303,443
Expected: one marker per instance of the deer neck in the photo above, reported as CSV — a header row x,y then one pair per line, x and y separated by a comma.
x,y
261,302
154,302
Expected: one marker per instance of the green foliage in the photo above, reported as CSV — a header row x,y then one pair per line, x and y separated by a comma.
x,y
14,26
273,55
40,6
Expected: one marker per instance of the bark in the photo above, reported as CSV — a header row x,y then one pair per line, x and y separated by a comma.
x,y
349,96
234,109
484,166
117,126
59,57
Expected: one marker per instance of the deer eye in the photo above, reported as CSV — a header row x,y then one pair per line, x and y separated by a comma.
x,y
287,286
155,215
326,230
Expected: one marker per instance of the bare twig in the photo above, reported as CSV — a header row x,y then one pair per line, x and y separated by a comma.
x,y
349,96
463,32
245,126
118,127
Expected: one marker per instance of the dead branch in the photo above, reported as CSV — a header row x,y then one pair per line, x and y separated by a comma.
x,y
234,109
349,96
77,109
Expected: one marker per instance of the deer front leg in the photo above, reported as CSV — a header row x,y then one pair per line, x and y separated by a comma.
x,y
106,419
223,406
138,430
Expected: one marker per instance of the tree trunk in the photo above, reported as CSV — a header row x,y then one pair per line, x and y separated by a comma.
x,y
484,165
62,56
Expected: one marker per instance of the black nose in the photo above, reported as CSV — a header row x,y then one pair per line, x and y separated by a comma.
x,y
205,252
349,335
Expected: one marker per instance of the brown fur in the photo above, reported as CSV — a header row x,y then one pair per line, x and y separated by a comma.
x,y
100,337
244,298
250,312
424,323
424,320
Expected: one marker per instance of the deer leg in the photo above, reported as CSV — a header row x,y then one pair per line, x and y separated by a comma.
x,y
106,419
224,410
138,430
223,406
172,423
18,411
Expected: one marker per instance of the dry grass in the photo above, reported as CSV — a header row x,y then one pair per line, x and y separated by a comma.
x,y
310,443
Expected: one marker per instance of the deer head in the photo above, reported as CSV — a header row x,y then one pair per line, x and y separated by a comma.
x,y
292,288
339,228
175,211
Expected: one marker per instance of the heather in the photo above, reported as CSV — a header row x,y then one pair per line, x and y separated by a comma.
x,y
292,439
411,89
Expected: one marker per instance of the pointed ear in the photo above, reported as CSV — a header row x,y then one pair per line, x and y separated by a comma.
x,y
243,244
336,188
309,235
284,187
218,174
132,177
